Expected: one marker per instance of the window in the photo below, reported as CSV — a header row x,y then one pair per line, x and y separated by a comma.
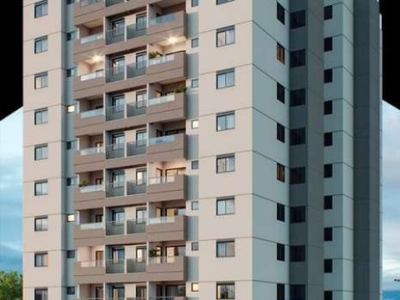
x,y
328,107
41,294
280,13
72,181
41,44
72,145
328,75
297,58
41,224
195,164
195,124
328,12
41,259
194,83
225,36
297,136
70,290
41,152
71,35
328,234
280,212
194,42
195,3
40,9
280,252
70,253
71,218
280,92
297,214
328,170
280,53
328,295
298,292
225,121
297,19
280,291
41,80
225,78
280,172
72,72
70,1
328,139
225,290
328,265
328,44
70,109
225,163
225,248
41,116
195,246
225,206
328,202
297,175
223,1
280,132
195,286
297,253
41,188
195,205
297,97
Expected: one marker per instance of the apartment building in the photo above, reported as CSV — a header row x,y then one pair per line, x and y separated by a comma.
x,y
220,149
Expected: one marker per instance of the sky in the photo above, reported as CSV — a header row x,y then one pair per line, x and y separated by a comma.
x,y
11,194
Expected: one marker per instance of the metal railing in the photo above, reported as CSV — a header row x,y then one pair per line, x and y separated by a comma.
x,y
161,59
93,75
136,109
93,150
92,113
113,2
135,266
89,226
115,266
89,2
115,190
115,151
92,188
162,180
162,139
162,259
115,227
116,74
136,69
91,38
161,220
134,30
160,100
136,187
162,19
92,264
136,226
115,35
115,112
136,147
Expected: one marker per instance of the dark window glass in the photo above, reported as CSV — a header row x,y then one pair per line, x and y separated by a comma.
x,y
280,92
225,290
298,214
225,249
195,246
280,132
328,265
70,290
328,202
328,44
70,253
297,253
328,107
328,139
297,136
328,234
223,1
328,12
280,291
297,58
280,53
280,13
280,252
298,292
280,172
298,19
297,175
298,97
280,212
195,3
328,295
328,75
328,170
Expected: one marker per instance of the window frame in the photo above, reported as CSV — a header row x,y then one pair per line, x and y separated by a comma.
x,y
41,41
225,117
43,113
328,139
328,44
328,202
298,58
298,19
43,150
297,97
194,3
280,252
328,265
280,291
280,53
328,234
280,92
41,259
228,249
328,107
280,212
225,74
328,170
42,226
280,172
224,201
280,13
41,80
226,158
226,33
328,75
44,9
227,285
44,294
328,12
44,188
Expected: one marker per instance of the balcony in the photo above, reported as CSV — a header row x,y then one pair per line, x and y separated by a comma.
x,y
89,234
166,148
88,84
167,108
166,188
87,197
89,159
84,46
89,271
89,122
87,11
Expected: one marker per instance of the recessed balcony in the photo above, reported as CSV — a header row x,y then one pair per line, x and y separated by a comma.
x,y
89,196
89,234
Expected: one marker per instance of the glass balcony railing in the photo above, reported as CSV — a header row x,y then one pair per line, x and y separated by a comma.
x,y
116,74
136,109
135,30
92,188
91,38
136,69
115,151
89,2
136,147
163,259
162,19
162,220
115,35
115,189
162,179
135,187
160,100
136,226
115,227
115,112
115,266
113,2
93,150
93,75
89,226
135,265
162,140
92,264
92,113
161,60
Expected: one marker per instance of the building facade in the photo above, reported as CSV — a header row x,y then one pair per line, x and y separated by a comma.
x,y
223,149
